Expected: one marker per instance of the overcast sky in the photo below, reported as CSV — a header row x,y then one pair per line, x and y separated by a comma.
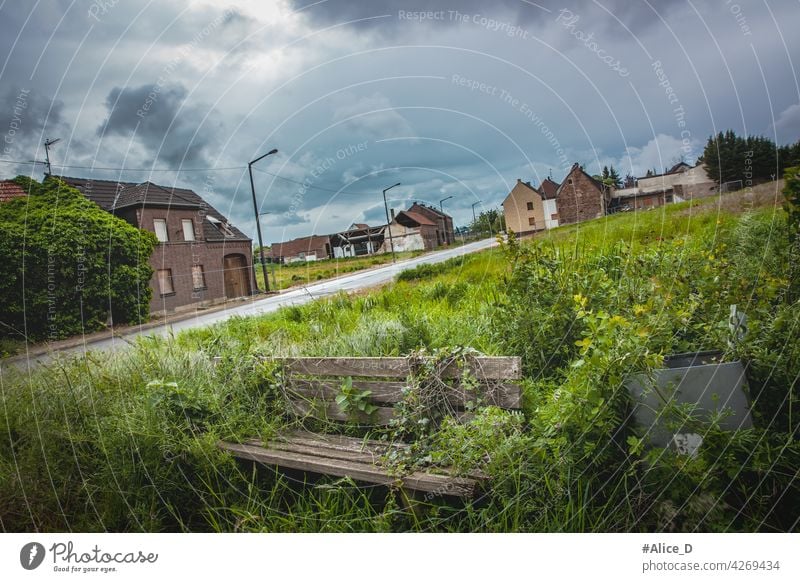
x,y
459,101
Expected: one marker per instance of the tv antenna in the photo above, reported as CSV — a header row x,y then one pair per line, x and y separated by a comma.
x,y
47,144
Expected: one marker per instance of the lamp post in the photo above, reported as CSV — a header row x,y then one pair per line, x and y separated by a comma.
x,y
474,220
388,227
444,220
258,221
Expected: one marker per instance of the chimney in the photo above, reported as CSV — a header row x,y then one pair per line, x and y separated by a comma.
x,y
392,212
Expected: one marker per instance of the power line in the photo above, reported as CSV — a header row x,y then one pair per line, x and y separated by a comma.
x,y
312,187
21,162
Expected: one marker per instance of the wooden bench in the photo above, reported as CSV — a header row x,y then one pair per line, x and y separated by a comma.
x,y
311,386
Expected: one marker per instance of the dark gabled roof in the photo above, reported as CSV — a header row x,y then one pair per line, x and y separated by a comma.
x,y
409,216
112,195
548,189
10,190
428,210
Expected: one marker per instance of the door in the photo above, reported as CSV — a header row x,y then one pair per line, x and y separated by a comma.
x,y
235,274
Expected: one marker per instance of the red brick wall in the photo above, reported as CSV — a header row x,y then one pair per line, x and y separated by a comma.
x,y
180,255
581,200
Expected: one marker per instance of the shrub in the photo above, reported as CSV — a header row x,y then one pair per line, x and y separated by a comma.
x,y
66,265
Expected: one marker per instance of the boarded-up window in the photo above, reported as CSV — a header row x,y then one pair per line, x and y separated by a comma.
x,y
165,281
188,229
198,277
530,205
160,226
532,221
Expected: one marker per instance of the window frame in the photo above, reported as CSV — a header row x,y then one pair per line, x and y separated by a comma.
x,y
190,222
202,278
158,221
161,280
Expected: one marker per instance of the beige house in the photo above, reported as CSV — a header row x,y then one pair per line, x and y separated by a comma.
x,y
524,209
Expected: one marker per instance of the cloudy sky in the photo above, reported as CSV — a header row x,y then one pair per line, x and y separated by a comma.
x,y
450,98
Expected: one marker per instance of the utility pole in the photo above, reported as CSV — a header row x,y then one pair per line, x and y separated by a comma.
x,y
388,227
474,220
444,220
47,144
258,220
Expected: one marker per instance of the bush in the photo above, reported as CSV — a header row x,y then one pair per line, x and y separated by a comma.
x,y
66,265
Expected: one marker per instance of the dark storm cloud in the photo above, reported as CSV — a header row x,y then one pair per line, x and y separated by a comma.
x,y
157,117
27,118
387,15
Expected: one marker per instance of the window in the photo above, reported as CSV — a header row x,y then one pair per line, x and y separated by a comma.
x,y
198,277
188,229
569,181
165,282
531,221
530,205
160,225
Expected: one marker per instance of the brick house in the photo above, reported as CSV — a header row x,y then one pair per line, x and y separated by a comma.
x,y
581,197
201,258
411,231
445,233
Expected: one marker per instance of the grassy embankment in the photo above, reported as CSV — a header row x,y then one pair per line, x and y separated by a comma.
x,y
128,442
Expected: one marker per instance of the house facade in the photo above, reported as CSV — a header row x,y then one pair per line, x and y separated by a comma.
x,y
580,197
411,231
681,182
548,189
201,259
524,209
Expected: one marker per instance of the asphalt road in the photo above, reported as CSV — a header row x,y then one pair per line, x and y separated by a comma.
x,y
295,296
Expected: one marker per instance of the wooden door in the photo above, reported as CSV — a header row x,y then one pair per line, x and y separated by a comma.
x,y
236,281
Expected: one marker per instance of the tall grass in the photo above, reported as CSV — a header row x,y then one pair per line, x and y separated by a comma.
x,y
127,442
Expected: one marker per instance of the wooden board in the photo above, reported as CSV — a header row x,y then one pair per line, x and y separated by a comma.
x,y
484,367
329,410
359,470
504,395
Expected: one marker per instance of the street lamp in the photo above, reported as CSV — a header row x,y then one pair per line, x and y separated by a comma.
x,y
388,227
444,220
258,221
474,220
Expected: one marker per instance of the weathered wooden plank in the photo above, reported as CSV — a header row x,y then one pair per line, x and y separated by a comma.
x,y
504,395
341,444
484,367
327,410
419,481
